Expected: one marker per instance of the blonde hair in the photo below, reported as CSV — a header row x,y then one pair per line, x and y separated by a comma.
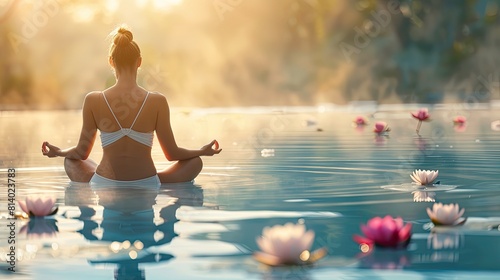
x,y
123,50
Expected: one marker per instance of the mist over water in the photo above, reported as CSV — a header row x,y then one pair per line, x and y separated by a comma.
x,y
255,52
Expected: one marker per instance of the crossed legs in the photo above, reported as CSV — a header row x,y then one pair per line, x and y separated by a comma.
x,y
80,170
180,171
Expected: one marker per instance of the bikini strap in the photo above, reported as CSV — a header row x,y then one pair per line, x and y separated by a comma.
x,y
138,113
116,119
111,110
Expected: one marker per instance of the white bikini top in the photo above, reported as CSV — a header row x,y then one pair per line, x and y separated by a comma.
x,y
108,138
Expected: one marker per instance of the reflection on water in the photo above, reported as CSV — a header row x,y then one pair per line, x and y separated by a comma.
x,y
424,196
132,221
276,167
443,241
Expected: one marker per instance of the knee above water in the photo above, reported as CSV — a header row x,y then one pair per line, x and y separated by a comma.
x,y
198,162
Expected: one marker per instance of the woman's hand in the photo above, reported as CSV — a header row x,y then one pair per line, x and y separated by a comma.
x,y
50,150
209,151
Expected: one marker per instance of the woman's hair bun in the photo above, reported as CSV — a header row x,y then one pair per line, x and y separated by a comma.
x,y
122,36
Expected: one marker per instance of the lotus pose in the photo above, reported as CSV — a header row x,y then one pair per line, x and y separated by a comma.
x,y
127,115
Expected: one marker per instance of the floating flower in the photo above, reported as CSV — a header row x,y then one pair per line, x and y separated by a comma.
x,y
287,245
420,196
459,120
446,215
360,120
424,177
385,232
381,127
421,115
38,206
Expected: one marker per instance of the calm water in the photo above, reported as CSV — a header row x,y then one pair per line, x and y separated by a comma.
x,y
277,166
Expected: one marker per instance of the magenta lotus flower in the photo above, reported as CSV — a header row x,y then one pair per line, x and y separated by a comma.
x,y
38,206
446,215
421,115
385,232
287,245
459,120
360,120
381,127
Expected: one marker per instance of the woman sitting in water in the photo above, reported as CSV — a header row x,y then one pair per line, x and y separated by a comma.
x,y
126,115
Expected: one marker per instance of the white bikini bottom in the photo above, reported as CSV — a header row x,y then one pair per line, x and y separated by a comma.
x,y
97,181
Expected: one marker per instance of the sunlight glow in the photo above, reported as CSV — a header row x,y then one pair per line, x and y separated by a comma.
x,y
166,4
112,5
83,13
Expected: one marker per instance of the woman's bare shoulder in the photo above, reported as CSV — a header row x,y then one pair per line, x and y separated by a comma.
x,y
92,97
157,97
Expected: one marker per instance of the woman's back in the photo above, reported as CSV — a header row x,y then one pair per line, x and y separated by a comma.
x,y
116,110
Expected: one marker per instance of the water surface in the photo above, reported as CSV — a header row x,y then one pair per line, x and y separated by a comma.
x,y
278,165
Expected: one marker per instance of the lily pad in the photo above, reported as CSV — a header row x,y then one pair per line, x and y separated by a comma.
x,y
410,187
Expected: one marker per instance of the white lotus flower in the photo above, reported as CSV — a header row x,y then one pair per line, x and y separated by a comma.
x,y
424,177
287,245
448,215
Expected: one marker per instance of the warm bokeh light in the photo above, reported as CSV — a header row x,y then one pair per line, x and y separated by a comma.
x,y
132,254
259,52
305,255
365,248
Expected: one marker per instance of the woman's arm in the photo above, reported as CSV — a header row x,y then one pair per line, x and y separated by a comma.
x,y
87,136
167,141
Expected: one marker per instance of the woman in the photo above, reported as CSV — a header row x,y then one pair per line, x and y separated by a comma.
x,y
126,116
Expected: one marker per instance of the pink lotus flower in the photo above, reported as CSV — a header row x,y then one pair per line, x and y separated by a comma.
x,y
459,120
360,120
287,245
447,215
381,127
38,206
421,115
385,232
424,177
